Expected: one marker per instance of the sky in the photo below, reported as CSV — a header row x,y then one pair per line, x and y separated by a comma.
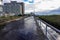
x,y
38,5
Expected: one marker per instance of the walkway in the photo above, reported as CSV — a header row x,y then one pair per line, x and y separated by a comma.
x,y
24,29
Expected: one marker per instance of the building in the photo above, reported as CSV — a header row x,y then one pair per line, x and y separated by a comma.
x,y
1,7
13,8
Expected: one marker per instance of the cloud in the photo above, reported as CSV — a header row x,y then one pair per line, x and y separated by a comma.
x,y
29,7
40,5
47,4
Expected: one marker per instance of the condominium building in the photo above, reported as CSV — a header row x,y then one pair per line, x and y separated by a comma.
x,y
14,8
1,7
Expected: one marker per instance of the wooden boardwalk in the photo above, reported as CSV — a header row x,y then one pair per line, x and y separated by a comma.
x,y
24,29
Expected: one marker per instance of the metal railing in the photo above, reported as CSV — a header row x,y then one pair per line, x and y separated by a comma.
x,y
51,32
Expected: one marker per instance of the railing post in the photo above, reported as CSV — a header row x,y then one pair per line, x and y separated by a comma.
x,y
40,23
46,30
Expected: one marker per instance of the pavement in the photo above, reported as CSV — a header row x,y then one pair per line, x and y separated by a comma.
x,y
23,29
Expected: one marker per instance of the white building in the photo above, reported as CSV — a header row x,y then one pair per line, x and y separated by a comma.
x,y
1,8
14,8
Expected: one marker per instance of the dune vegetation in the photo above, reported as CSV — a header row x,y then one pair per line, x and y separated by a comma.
x,y
54,20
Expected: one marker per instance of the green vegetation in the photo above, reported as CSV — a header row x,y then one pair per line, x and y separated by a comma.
x,y
54,20
3,20
27,14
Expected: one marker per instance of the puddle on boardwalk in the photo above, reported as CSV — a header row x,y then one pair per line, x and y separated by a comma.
x,y
24,29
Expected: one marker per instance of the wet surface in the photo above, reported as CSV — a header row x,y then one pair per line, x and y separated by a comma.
x,y
23,29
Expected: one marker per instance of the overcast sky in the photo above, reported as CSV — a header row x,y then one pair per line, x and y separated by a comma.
x,y
40,5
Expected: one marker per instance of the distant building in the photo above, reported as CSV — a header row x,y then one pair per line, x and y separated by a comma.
x,y
1,7
14,8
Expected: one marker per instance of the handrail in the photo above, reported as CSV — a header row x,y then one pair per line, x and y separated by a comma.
x,y
55,29
45,28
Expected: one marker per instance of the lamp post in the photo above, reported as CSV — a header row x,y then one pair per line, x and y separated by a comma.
x,y
34,8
